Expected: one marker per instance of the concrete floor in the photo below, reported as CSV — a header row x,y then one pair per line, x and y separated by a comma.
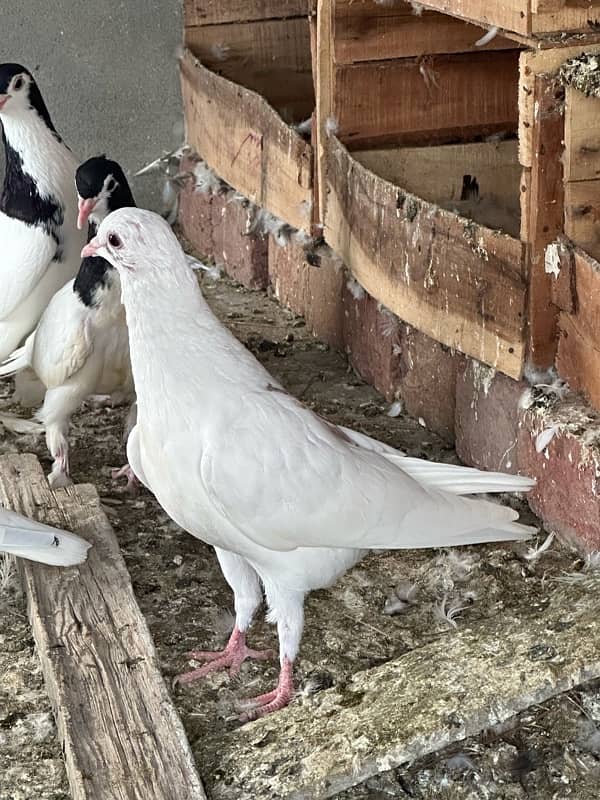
x,y
108,72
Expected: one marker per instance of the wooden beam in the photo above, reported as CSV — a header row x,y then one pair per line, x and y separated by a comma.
x,y
120,732
458,282
511,15
439,98
582,215
271,57
415,705
365,31
326,90
546,217
575,16
582,136
247,143
578,359
216,12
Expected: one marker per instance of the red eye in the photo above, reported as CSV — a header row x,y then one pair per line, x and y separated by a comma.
x,y
114,240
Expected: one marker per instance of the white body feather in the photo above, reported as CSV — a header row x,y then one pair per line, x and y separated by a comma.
x,y
30,271
35,541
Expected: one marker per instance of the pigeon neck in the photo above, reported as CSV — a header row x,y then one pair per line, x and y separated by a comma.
x,y
36,165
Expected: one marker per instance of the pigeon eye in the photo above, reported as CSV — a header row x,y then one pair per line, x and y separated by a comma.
x,y
114,240
18,84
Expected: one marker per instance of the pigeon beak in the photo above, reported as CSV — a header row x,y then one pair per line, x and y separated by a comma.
x,y
3,100
91,248
85,209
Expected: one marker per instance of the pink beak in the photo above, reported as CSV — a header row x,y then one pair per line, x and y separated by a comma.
x,y
85,209
91,248
3,100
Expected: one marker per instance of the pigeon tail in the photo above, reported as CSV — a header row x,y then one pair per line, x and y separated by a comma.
x,y
26,538
16,361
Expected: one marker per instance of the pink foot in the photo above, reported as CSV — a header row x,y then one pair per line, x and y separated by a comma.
x,y
232,657
126,472
279,698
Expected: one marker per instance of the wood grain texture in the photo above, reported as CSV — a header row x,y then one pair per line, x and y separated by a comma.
x,y
546,217
366,31
578,359
582,136
458,282
325,93
245,141
441,98
582,215
271,57
215,12
121,735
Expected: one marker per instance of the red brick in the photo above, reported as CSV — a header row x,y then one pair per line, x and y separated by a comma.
x,y
243,255
372,341
195,217
313,291
428,373
566,494
487,417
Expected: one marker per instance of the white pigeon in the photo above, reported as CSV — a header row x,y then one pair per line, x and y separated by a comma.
x,y
80,346
26,538
286,498
38,208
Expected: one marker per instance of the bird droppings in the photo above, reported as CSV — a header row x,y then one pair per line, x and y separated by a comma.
x,y
582,73
188,605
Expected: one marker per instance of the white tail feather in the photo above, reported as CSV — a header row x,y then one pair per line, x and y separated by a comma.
x,y
35,541
19,425
461,480
16,361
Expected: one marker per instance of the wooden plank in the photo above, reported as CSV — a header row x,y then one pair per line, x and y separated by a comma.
x,y
578,359
560,255
575,16
511,15
216,12
366,31
272,58
247,143
119,730
531,64
480,180
325,93
546,209
445,97
427,699
582,136
582,215
460,283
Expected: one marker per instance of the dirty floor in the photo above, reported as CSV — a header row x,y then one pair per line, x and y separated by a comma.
x,y
551,751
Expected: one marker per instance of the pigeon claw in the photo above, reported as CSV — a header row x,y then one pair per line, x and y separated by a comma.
x,y
126,472
280,697
232,658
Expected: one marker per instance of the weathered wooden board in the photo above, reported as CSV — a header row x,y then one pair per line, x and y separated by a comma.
x,y
582,215
441,98
480,180
325,92
582,136
460,684
121,735
531,64
367,31
518,16
458,282
271,57
245,141
215,12
546,218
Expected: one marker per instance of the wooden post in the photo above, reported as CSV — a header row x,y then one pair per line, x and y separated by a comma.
x,y
121,735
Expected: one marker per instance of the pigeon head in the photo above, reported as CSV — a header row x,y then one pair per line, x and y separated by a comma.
x,y
137,241
101,187
19,94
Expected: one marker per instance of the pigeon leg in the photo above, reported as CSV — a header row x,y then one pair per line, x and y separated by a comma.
x,y
287,608
126,472
55,414
247,595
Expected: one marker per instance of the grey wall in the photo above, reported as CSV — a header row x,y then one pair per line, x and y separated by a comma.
x,y
108,72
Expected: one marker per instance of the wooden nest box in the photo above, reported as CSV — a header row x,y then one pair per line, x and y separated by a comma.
x,y
453,168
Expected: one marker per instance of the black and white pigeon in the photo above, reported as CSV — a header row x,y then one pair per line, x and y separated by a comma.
x,y
26,538
80,346
288,500
38,208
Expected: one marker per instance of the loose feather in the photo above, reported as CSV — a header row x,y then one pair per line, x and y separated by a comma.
x,y
35,541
